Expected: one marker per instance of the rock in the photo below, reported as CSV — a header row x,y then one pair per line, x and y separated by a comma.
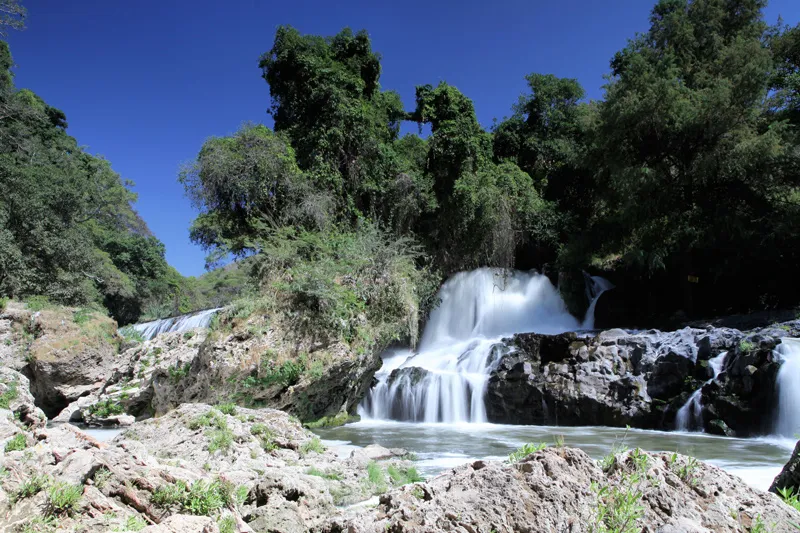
x,y
789,478
15,390
182,523
558,489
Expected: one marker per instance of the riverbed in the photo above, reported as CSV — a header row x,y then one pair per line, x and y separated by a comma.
x,y
441,446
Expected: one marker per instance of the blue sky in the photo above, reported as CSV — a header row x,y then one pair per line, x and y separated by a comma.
x,y
144,83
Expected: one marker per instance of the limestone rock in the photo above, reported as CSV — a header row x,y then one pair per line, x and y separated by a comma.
x,y
789,478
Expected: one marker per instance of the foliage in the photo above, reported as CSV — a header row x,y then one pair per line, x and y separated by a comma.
x,y
376,478
106,408
312,471
63,498
101,477
314,445
31,486
525,450
746,346
403,475
9,395
227,408
17,443
619,505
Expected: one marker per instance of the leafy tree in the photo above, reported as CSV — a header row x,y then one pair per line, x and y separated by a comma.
x,y
12,15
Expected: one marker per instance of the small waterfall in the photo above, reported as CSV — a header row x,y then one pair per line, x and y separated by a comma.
x,y
787,423
445,381
690,415
595,286
200,319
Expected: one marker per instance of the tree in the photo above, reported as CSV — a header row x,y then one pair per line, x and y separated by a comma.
x,y
693,178
12,16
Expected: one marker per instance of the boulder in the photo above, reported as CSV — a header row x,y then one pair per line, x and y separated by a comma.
x,y
789,478
563,489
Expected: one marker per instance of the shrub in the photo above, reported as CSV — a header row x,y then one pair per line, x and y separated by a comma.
x,y
524,451
106,408
170,494
220,439
211,417
38,303
18,442
204,498
63,498
313,445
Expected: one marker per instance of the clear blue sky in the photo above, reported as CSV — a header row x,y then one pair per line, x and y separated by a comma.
x,y
144,82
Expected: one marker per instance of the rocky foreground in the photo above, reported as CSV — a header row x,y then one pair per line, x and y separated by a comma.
x,y
223,469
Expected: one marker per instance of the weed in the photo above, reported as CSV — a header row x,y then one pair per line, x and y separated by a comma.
x,y
3,302
101,477
758,525
559,441
227,525
82,316
132,523
685,471
227,408
608,461
745,346
38,303
207,419
403,476
313,445
376,478
204,498
11,393
325,475
170,494
521,453
188,335
220,439
18,442
63,498
177,372
39,524
790,497
418,493
31,486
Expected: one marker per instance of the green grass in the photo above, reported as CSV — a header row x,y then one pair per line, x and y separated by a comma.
x,y
204,498
264,435
82,316
177,372
106,408
38,303
227,525
101,477
3,302
31,486
790,497
132,523
18,442
228,408
524,451
171,494
63,498
403,476
313,445
11,393
377,479
208,419
39,524
188,335
220,440
312,471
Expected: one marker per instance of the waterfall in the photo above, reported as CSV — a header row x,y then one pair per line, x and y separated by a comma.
x,y
200,319
445,381
787,423
690,414
595,286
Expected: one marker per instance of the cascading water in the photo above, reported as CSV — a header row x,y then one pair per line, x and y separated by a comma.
x,y
595,286
787,423
690,415
200,319
445,380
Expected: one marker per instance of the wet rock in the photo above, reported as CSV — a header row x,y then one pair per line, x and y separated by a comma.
x,y
789,478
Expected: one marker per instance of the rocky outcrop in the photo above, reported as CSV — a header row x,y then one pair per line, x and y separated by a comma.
x,y
562,489
256,470
641,379
247,364
789,478
66,352
615,378
16,397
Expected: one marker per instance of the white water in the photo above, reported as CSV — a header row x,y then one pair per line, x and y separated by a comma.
x,y
689,415
787,423
595,286
200,319
460,345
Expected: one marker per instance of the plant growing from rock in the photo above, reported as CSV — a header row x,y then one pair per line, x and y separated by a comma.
x,y
313,445
11,393
31,486
403,476
334,476
18,442
63,498
619,506
376,478
106,408
525,450
227,408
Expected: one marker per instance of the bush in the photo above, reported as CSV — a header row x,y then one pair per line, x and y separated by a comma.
x,y
18,442
403,476
204,498
63,498
106,408
228,408
170,494
220,439
38,303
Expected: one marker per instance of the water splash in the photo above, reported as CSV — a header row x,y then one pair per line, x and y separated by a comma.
x,y
445,381
690,415
200,319
787,422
